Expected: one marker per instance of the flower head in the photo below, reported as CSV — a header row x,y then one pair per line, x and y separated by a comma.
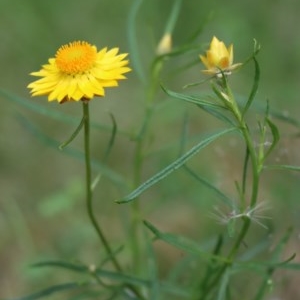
x,y
218,58
79,72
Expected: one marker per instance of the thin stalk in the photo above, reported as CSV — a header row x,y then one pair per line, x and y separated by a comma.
x,y
89,197
135,206
245,169
254,163
139,159
254,193
230,257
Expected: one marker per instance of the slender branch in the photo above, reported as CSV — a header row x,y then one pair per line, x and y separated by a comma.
x,y
139,158
89,197
250,154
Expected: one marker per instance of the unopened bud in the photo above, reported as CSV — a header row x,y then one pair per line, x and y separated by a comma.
x,y
165,44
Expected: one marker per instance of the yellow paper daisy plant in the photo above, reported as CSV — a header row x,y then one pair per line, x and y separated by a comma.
x,y
79,72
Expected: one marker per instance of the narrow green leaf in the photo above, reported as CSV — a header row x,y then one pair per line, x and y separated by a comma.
x,y
112,137
184,134
184,244
137,281
175,10
212,266
291,266
244,177
209,106
282,167
255,250
201,25
52,290
275,135
256,50
268,267
196,83
259,106
221,96
211,187
73,135
55,114
133,41
281,245
263,265
281,115
224,285
219,115
152,267
173,166
266,284
180,267
190,98
254,87
105,171
61,264
274,261
114,276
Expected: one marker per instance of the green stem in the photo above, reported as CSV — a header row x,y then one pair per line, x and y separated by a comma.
x,y
89,197
254,162
135,207
139,159
245,172
250,149
254,193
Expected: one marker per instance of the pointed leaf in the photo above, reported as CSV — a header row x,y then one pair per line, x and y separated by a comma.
x,y
62,264
291,266
105,171
259,106
224,285
282,167
213,188
254,87
133,41
113,276
175,10
73,135
52,113
275,135
184,244
112,137
152,267
210,107
52,290
190,98
173,166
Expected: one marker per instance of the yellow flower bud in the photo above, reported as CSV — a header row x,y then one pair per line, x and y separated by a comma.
x,y
219,59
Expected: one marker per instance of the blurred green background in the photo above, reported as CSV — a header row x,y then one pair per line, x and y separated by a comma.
x,y
42,210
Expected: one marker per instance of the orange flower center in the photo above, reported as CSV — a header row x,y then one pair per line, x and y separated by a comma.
x,y
75,58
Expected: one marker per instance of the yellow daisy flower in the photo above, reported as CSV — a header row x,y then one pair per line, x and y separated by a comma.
x,y
79,72
218,57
